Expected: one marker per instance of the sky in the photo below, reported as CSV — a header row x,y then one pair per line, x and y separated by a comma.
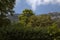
x,y
38,6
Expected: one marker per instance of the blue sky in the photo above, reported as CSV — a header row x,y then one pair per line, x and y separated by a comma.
x,y
38,6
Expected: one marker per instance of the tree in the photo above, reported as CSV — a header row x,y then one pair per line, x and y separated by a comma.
x,y
6,7
40,21
45,20
32,21
24,17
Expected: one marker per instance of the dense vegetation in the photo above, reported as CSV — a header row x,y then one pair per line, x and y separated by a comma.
x,y
29,26
6,7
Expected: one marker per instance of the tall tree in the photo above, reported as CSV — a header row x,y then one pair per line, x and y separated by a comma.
x,y
40,21
24,17
6,7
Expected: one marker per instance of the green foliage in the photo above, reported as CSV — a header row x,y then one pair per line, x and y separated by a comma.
x,y
24,17
4,22
30,27
6,7
45,20
17,32
40,21
54,31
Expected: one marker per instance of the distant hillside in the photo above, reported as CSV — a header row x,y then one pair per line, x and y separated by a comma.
x,y
54,15
13,18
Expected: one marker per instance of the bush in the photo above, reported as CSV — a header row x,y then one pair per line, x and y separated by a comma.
x,y
15,32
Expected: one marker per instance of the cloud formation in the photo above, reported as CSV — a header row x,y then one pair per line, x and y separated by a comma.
x,y
17,2
35,3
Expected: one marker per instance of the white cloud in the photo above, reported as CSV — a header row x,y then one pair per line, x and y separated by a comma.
x,y
58,1
17,2
35,3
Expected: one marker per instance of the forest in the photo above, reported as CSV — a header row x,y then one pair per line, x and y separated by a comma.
x,y
29,25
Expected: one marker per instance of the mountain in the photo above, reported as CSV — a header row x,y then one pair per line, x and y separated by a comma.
x,y
13,18
54,15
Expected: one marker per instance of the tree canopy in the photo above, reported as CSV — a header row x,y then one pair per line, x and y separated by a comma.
x,y
24,17
6,7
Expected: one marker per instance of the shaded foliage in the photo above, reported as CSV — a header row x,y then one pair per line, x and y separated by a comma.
x,y
6,7
40,21
31,27
15,32
24,17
